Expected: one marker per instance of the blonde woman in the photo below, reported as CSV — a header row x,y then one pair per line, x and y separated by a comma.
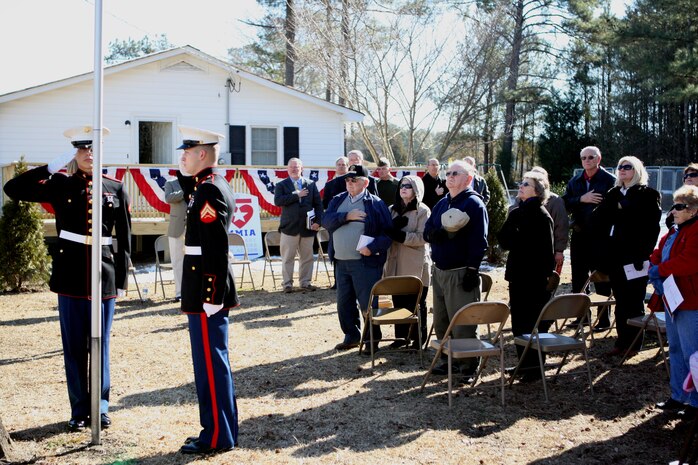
x,y
626,226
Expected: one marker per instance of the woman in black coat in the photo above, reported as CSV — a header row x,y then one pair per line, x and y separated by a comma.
x,y
527,234
626,225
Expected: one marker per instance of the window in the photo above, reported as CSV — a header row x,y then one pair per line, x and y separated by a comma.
x,y
264,146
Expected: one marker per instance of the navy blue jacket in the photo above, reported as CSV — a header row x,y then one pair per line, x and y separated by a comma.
x,y
600,183
468,245
377,221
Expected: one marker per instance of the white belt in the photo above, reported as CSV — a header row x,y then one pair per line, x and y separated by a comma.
x,y
80,239
192,250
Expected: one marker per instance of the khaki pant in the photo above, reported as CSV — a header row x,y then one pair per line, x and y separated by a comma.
x,y
303,246
449,297
177,258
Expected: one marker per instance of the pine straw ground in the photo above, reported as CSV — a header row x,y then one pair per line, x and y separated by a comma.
x,y
300,401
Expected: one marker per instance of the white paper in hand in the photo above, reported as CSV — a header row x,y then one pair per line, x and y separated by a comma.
x,y
672,296
632,273
363,242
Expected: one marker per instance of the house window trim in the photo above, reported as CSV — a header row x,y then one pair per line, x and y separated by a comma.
x,y
135,135
279,142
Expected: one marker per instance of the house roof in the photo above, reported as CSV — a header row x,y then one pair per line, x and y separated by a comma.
x,y
347,113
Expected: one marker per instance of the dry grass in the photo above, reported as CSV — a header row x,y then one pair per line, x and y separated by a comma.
x,y
302,402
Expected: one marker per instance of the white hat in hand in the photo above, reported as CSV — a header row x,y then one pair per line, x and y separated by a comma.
x,y
453,219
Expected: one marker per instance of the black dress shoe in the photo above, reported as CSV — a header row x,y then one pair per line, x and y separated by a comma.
x,y
366,349
688,412
104,420
77,424
346,345
198,447
398,344
670,405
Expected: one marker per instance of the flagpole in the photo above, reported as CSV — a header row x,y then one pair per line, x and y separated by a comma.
x,y
96,275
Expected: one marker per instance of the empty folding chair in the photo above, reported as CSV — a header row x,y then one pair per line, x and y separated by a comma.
x,y
236,240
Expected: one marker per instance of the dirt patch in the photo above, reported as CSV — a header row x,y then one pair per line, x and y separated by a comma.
x,y
301,401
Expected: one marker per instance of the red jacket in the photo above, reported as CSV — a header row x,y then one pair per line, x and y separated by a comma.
x,y
682,263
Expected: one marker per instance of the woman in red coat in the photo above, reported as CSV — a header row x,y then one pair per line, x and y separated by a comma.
x,y
677,256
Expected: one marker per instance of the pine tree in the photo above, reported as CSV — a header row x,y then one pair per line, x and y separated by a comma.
x,y
23,253
497,211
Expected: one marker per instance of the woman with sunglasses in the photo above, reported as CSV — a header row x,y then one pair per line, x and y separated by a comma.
x,y
409,253
527,234
690,175
626,225
677,256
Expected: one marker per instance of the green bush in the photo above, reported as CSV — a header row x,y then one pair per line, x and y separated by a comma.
x,y
497,209
23,252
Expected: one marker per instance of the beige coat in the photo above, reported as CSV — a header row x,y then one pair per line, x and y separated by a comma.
x,y
411,258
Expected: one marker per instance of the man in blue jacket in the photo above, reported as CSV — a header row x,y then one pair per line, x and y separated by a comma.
x,y
351,216
457,250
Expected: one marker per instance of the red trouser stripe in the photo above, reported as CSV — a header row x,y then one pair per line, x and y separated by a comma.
x,y
211,380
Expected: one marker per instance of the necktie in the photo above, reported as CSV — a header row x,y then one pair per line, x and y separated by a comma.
x,y
300,185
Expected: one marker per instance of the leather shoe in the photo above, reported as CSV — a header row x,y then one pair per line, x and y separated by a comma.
x,y
670,405
366,350
346,345
77,424
601,328
288,290
104,420
398,344
309,288
191,439
198,447
688,412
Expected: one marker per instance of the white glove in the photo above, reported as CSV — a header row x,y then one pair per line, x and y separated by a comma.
x,y
182,170
120,293
59,162
211,309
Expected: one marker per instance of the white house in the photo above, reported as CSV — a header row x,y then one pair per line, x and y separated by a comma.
x,y
145,100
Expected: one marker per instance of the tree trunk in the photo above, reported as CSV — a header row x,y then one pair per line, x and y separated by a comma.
x,y
290,32
343,61
487,132
512,82
5,443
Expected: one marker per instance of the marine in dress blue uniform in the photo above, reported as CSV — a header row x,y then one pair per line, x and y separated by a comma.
x,y
208,292
70,196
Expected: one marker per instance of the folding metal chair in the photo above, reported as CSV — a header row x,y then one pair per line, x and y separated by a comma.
x,y
132,269
236,240
271,239
654,321
476,313
390,286
161,246
322,236
561,307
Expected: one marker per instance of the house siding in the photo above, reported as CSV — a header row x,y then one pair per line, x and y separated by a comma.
x,y
193,93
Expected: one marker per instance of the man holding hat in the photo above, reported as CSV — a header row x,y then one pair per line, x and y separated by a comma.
x,y
457,232
208,291
70,196
351,217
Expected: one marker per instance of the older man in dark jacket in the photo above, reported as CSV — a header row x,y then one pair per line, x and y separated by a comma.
x,y
356,221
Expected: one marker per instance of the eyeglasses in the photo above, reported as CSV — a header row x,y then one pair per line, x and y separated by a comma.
x,y
352,180
588,157
690,175
625,167
454,173
678,207
525,184
405,186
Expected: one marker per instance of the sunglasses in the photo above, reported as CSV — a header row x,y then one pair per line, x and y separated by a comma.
x,y
525,184
588,157
352,180
678,207
454,173
625,167
406,186
690,175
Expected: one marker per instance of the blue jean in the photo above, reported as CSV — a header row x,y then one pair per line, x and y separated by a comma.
x,y
683,342
354,283
75,315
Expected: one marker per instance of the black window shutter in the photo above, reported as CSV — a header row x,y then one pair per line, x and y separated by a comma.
x,y
291,149
237,145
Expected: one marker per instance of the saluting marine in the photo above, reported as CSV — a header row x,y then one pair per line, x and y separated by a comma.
x,y
70,196
208,291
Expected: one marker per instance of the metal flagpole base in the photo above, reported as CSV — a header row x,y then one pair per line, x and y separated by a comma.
x,y
95,387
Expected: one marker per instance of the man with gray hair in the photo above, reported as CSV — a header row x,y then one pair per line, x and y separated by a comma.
x,y
583,194
457,232
479,183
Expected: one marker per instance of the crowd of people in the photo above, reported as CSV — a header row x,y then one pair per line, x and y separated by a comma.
x,y
432,227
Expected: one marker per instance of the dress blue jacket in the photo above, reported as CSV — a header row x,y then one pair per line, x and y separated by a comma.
x,y
377,221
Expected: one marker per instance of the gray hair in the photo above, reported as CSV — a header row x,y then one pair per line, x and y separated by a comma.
x,y
688,195
591,148
540,184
